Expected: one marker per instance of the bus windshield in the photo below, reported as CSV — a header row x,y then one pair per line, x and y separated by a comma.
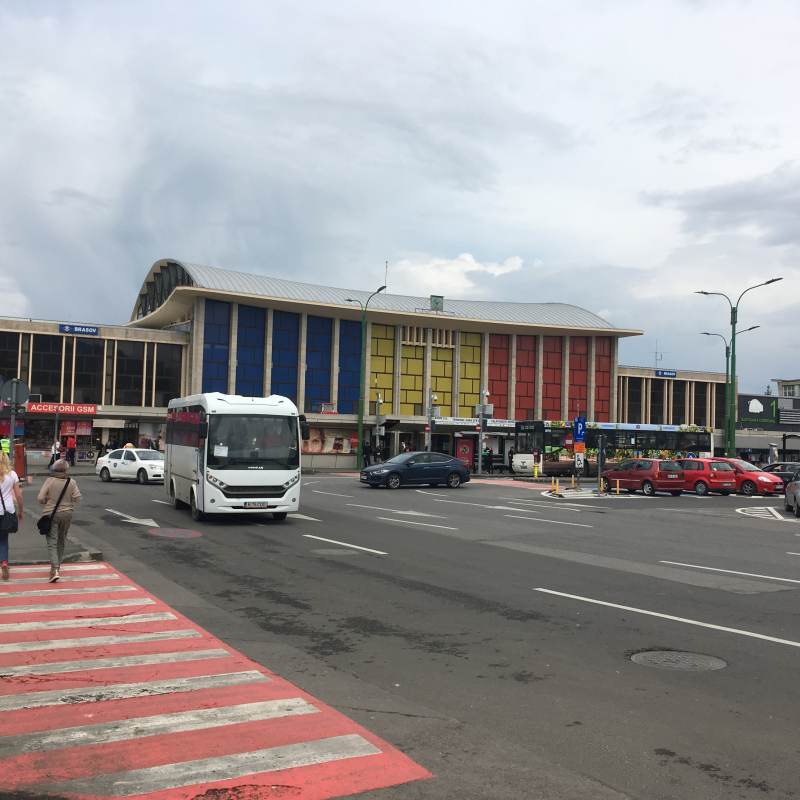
x,y
252,441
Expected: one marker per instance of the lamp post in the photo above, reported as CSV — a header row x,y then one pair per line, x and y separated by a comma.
x,y
730,434
362,379
727,373
432,398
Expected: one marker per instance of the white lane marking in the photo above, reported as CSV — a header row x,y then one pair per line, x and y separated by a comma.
x,y
345,544
69,578
309,483
55,667
722,628
156,725
121,691
221,768
303,516
86,622
731,571
47,607
331,494
397,511
762,512
151,523
426,524
45,568
552,521
46,592
479,505
96,641
788,553
163,502
543,503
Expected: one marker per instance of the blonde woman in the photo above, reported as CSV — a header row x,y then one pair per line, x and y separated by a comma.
x,y
58,490
10,503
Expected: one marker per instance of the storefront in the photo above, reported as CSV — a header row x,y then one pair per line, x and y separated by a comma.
x,y
46,422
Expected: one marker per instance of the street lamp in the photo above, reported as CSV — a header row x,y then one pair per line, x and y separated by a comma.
x,y
727,371
362,379
730,433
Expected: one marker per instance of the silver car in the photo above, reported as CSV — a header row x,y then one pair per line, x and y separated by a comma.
x,y
792,500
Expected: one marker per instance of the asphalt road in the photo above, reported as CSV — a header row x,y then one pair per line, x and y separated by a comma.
x,y
488,631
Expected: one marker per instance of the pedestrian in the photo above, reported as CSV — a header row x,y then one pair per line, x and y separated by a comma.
x,y
487,460
72,446
54,451
59,495
99,448
378,453
366,452
11,498
510,460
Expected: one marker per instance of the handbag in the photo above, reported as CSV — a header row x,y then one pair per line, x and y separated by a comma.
x,y
45,522
8,522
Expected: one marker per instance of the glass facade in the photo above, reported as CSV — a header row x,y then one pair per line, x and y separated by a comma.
x,y
130,373
285,352
349,366
250,351
46,367
319,339
9,355
216,346
168,373
88,371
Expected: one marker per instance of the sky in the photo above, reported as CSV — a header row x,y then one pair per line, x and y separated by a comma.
x,y
616,155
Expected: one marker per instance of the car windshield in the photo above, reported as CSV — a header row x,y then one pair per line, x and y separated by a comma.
x,y
746,466
252,441
670,466
401,458
150,455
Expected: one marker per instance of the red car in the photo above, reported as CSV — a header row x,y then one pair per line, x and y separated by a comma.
x,y
751,479
651,475
704,475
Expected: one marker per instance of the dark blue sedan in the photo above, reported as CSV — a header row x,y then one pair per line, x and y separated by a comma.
x,y
413,469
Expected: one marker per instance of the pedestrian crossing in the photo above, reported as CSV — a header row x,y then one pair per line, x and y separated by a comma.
x,y
158,708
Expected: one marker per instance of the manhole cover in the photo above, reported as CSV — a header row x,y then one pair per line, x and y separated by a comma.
x,y
677,659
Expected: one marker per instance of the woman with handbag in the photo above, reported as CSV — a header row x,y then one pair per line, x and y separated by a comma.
x,y
11,508
59,495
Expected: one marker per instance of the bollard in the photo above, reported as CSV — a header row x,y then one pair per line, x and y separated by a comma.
x,y
617,482
552,484
535,471
557,489
573,481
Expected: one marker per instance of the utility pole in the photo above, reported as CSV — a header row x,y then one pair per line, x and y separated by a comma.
x,y
432,398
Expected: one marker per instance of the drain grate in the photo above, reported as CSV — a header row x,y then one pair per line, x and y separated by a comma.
x,y
678,659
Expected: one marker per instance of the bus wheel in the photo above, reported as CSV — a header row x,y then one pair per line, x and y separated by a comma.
x,y
197,514
279,516
173,497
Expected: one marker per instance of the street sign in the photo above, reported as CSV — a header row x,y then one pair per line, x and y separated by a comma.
x,y
579,461
580,429
580,447
14,392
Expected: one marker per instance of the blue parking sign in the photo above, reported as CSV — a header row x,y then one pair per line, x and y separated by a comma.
x,y
579,429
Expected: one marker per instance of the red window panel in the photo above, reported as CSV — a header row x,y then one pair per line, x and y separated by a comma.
x,y
525,388
499,345
551,377
602,378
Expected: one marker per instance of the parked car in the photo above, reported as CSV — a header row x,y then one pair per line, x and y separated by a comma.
x,y
785,470
704,475
416,468
751,479
650,475
792,500
131,464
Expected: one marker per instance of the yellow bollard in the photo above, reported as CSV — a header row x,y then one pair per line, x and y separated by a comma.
x,y
552,484
535,471
617,482
557,489
573,481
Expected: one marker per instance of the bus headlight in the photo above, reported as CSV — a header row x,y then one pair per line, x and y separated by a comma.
x,y
216,481
292,481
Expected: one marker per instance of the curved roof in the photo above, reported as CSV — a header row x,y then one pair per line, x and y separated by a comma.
x,y
562,315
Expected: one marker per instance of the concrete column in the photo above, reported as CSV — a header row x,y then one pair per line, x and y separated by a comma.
x,y
539,377
144,372
426,370
709,404
268,355
612,405
670,401
647,399
689,402
196,346
590,412
512,377
63,362
666,412
334,388
484,365
565,377
712,418
301,363
233,346
398,357
152,398
456,372
367,371
625,389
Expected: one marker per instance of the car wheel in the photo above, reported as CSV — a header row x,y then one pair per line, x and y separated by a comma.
x,y
453,480
700,489
749,488
393,481
173,497
105,475
141,477
279,516
676,494
648,488
197,514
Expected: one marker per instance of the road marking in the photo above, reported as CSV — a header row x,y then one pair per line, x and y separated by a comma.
x,y
345,544
426,524
309,483
151,523
163,502
546,504
70,578
157,725
331,494
397,511
792,554
722,628
65,568
55,667
762,512
222,768
122,691
96,641
303,516
46,592
730,571
479,505
47,607
86,622
553,521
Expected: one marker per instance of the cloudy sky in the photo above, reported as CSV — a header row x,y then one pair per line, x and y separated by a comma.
x,y
617,155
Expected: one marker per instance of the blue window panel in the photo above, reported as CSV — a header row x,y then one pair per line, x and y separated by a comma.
x,y
250,351
319,339
349,366
285,350
216,346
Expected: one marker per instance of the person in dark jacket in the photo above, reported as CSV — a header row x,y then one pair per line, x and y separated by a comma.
x,y
366,452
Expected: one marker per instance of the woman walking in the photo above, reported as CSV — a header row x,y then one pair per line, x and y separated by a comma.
x,y
11,499
58,490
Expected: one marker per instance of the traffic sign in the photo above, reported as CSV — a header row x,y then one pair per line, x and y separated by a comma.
x,y
580,429
579,461
14,392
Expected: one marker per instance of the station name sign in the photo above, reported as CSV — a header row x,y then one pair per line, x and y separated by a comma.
x,y
79,330
77,409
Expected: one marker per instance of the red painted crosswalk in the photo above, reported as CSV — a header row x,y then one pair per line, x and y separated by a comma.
x,y
105,691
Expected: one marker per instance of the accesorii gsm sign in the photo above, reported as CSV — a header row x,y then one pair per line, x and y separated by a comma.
x,y
78,409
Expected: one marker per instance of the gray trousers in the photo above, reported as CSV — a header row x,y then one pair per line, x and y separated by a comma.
x,y
57,537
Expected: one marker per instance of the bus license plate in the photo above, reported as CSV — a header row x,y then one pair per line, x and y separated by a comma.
x,y
255,504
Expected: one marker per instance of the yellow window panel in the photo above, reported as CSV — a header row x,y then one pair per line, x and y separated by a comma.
x,y
378,364
437,368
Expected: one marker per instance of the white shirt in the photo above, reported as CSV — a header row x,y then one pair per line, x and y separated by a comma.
x,y
7,489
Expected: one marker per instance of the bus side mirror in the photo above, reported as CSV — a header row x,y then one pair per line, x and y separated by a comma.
x,y
202,431
305,430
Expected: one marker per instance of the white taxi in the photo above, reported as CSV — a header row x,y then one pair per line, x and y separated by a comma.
x,y
131,464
